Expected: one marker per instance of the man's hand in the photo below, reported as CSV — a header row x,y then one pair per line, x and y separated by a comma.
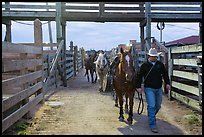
x,y
168,87
140,90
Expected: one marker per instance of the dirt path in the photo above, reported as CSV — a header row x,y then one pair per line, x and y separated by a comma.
x,y
84,110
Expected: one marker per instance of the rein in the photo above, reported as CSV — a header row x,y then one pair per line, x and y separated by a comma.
x,y
140,101
120,65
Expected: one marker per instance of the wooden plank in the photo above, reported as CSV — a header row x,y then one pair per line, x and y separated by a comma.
x,y
69,65
68,52
176,3
188,62
124,8
180,9
68,7
187,75
49,51
50,45
69,58
11,119
9,56
20,64
8,47
29,15
10,83
125,2
81,3
36,7
186,49
70,75
11,101
187,88
70,70
188,101
176,16
26,44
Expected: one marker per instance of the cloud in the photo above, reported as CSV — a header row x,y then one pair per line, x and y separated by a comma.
x,y
92,35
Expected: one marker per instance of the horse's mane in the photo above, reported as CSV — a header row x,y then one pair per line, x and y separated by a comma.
x,y
121,60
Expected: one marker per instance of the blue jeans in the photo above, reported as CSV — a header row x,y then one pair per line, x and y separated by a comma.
x,y
154,100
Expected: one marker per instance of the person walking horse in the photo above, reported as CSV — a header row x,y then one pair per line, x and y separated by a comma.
x,y
152,71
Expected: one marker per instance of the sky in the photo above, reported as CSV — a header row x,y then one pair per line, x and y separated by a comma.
x,y
100,36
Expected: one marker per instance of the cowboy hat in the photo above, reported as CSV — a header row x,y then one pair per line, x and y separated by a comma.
x,y
153,52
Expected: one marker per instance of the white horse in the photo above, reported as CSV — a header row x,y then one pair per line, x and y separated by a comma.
x,y
101,69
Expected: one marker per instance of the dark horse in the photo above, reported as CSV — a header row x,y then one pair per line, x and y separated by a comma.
x,y
124,82
91,67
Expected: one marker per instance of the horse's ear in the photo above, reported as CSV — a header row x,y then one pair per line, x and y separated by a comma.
x,y
121,50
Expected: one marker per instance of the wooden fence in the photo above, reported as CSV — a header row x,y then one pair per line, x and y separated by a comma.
x,y
184,73
22,81
30,73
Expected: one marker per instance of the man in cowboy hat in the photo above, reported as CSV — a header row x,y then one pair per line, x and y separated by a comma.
x,y
152,71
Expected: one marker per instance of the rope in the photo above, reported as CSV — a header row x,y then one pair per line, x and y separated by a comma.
x,y
141,101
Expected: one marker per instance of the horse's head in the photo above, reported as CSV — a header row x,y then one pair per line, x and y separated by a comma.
x,y
101,61
126,65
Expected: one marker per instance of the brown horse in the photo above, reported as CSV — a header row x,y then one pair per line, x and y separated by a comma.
x,y
90,67
124,83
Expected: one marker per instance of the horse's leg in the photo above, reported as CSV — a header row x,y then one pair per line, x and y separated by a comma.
x,y
91,71
96,75
116,100
87,74
120,96
131,103
101,83
126,102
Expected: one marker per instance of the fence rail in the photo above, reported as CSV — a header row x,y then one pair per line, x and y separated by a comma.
x,y
21,84
185,75
30,71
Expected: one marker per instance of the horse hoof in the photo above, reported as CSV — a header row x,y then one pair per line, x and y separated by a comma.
x,y
100,89
130,120
121,119
116,105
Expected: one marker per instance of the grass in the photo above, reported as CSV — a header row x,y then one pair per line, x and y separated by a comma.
x,y
21,127
194,120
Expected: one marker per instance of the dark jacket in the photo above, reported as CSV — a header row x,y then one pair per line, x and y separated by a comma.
x,y
154,79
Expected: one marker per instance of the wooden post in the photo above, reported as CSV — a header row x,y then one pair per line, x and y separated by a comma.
x,y
200,32
200,25
142,24
142,36
64,53
101,9
49,28
75,60
148,24
82,56
71,46
61,31
170,70
8,25
199,63
38,40
76,51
